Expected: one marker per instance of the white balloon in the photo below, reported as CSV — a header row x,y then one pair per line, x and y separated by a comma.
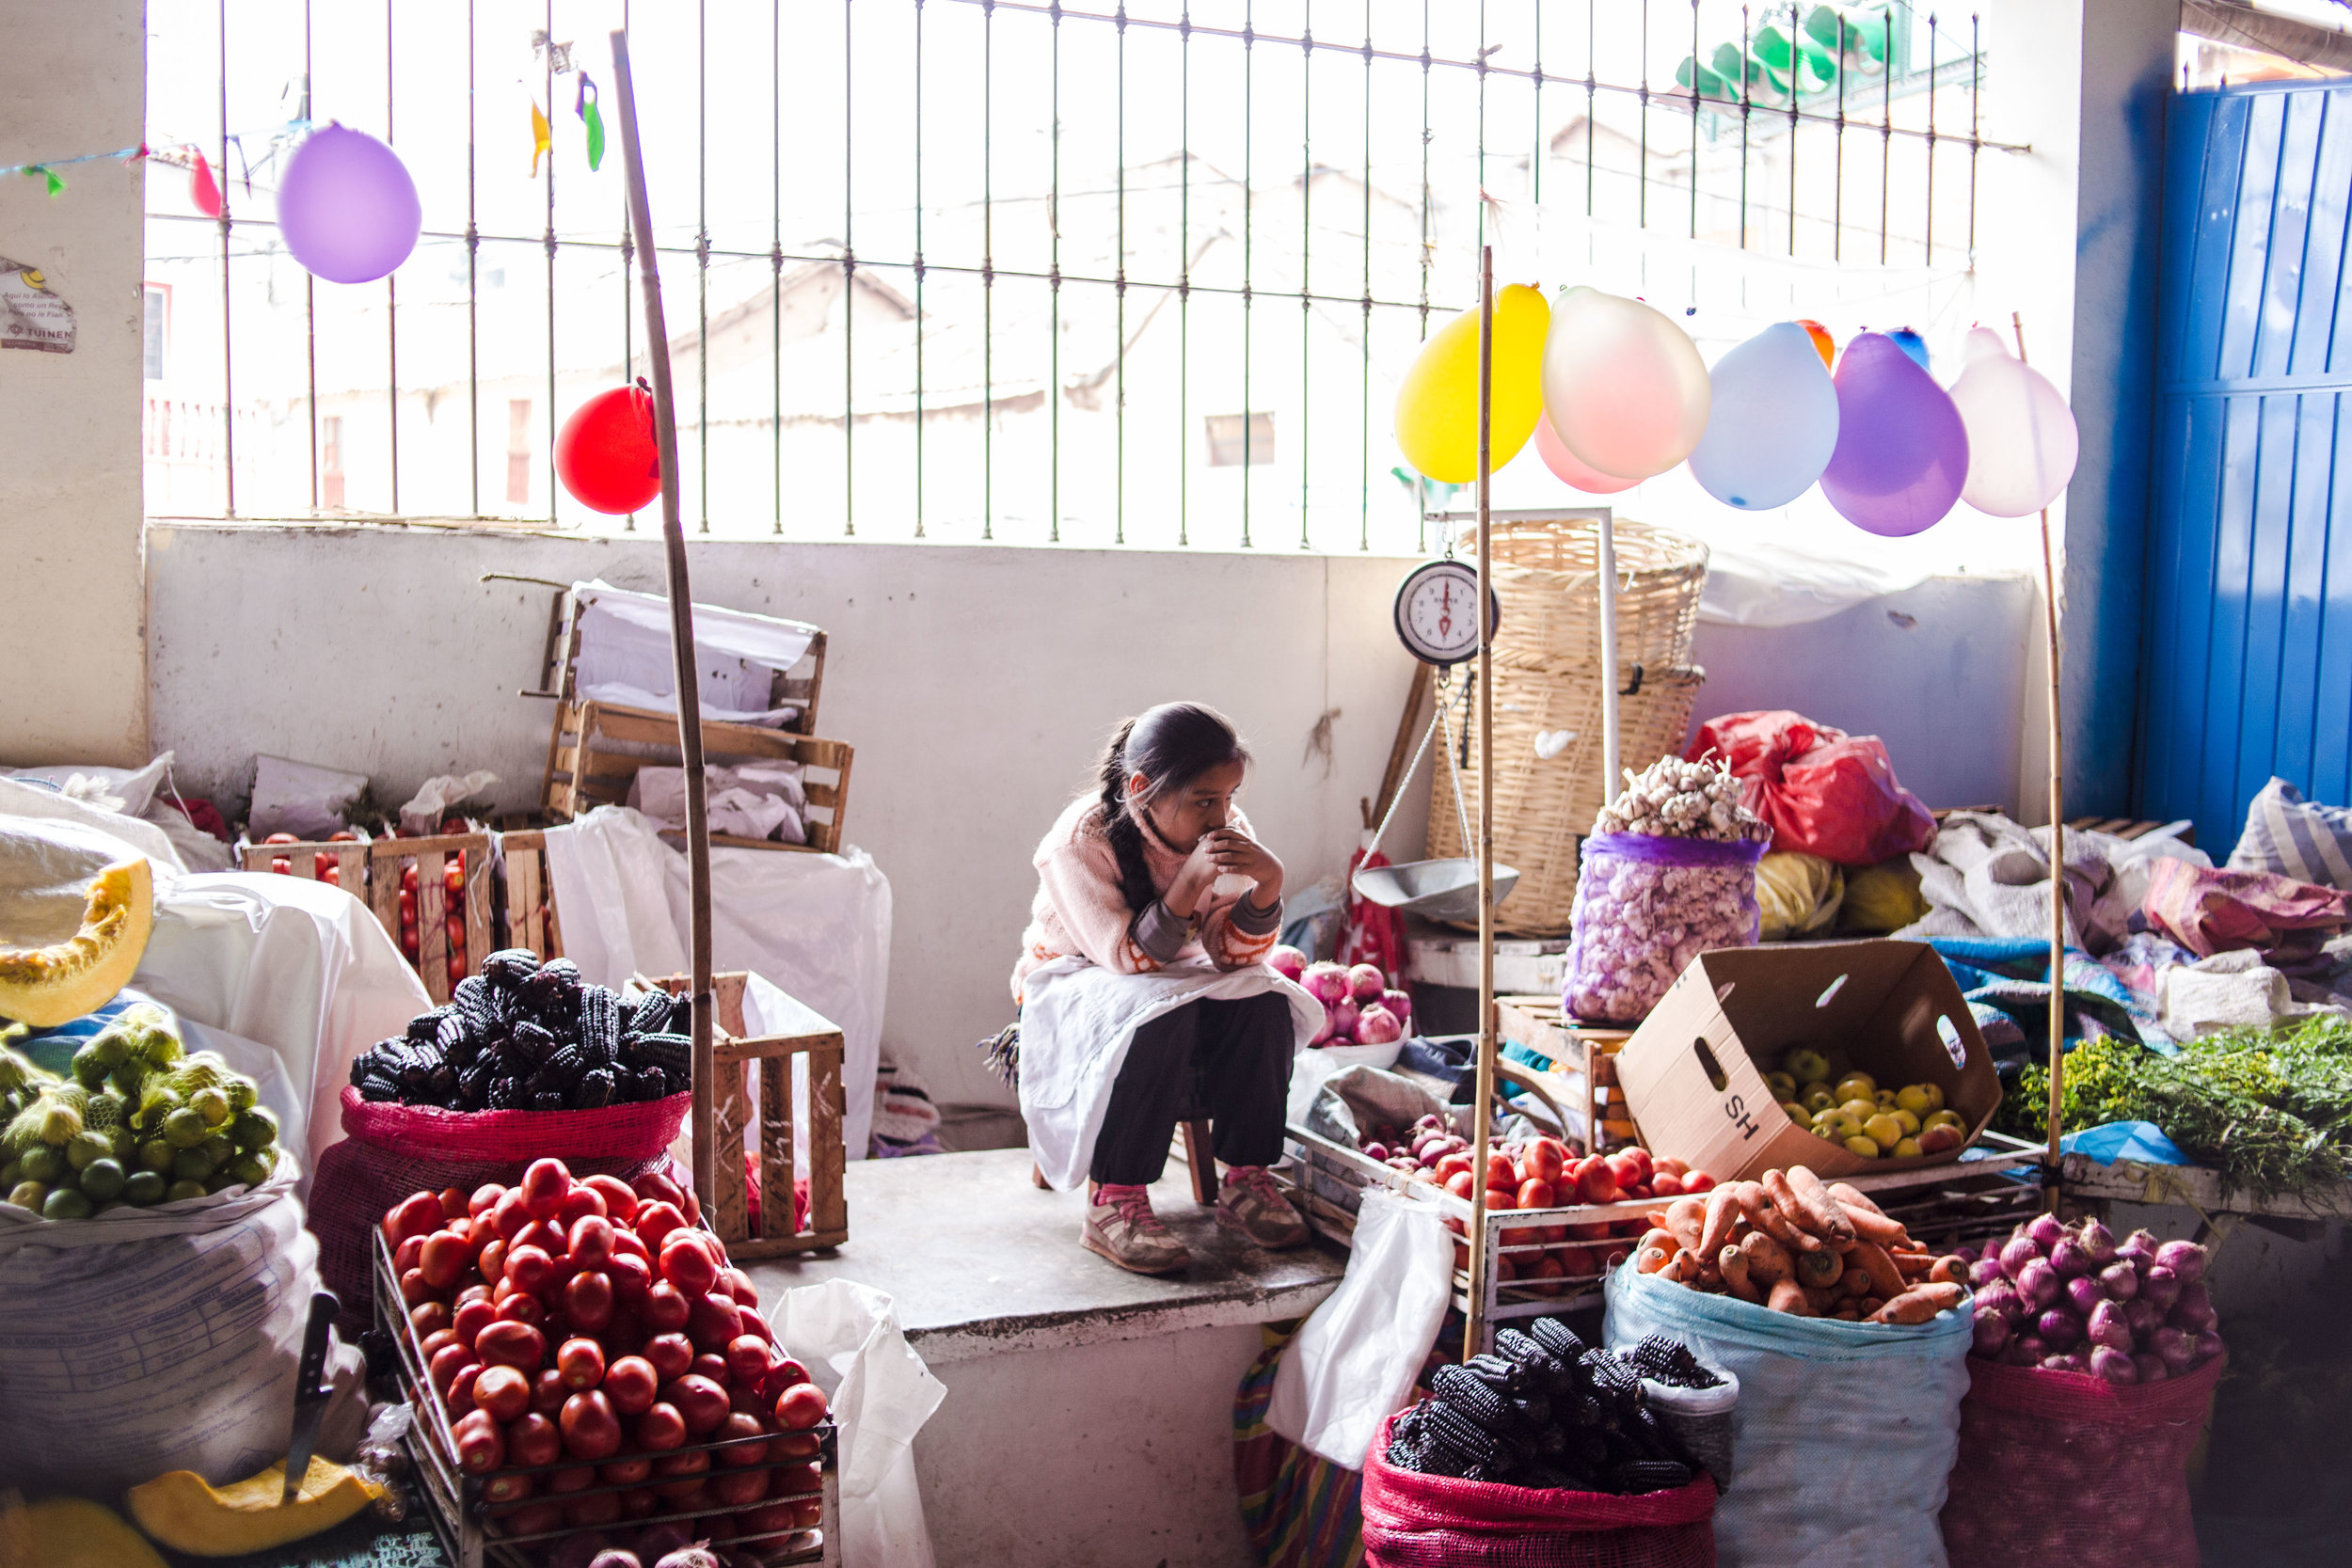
x,y
2022,442
1773,423
1624,387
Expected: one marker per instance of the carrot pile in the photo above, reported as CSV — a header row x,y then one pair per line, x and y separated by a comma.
x,y
1797,1245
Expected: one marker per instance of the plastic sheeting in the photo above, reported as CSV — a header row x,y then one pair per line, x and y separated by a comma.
x,y
300,969
625,654
847,1336
819,925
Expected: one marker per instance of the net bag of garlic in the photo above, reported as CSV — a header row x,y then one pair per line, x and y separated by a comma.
x,y
1668,873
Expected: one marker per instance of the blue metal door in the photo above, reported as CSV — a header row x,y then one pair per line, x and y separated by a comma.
x,y
2247,660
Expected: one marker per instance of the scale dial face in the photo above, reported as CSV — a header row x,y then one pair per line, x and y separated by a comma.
x,y
1432,612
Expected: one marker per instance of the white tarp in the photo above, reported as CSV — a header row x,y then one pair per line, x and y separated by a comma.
x,y
625,654
817,925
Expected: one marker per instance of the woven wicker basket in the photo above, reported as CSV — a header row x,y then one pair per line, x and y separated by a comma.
x,y
1547,679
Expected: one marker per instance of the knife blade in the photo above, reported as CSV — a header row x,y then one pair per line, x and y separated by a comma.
x,y
311,1391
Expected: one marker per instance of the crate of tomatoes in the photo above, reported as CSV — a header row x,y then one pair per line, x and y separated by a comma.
x,y
432,894
593,1381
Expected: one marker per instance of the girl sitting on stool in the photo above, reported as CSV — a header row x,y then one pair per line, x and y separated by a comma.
x,y
1142,994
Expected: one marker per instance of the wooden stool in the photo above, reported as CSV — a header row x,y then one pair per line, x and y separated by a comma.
x,y
1199,1158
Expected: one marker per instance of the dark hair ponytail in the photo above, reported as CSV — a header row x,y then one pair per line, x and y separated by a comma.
x,y
1171,745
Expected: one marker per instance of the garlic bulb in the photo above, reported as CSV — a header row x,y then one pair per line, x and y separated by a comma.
x,y
1674,799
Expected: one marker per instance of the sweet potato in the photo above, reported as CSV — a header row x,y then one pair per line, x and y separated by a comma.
x,y
1789,1296
1847,1315
1855,1281
1912,1265
1872,1226
1686,1219
1885,1279
1853,1198
1822,1302
1768,1260
1720,1209
1811,1206
1655,1237
1918,1305
1734,1264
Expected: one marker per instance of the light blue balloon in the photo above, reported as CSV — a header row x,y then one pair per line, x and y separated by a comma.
x,y
1772,424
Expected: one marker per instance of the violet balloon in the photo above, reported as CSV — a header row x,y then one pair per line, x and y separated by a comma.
x,y
1902,453
346,207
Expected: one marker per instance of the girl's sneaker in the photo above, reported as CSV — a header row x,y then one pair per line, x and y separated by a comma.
x,y
1253,1205
1121,1226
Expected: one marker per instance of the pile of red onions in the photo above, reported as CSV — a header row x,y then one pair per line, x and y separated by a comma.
x,y
2069,1299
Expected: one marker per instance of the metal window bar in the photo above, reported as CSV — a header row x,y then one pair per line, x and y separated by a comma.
x,y
1797,115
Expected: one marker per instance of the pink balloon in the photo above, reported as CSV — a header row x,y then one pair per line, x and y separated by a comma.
x,y
1569,468
1901,454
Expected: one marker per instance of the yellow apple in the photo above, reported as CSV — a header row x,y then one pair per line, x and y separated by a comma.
x,y
1805,1065
1908,1148
1862,1144
1857,1085
1883,1129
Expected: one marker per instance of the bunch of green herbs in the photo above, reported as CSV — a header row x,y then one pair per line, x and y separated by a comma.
x,y
2271,1112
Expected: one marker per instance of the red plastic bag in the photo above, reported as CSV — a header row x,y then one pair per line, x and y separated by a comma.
x,y
1417,1521
1373,934
2212,910
1824,792
2066,1469
390,1151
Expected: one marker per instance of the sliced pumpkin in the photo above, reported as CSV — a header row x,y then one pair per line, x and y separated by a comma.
x,y
186,1512
67,1532
46,983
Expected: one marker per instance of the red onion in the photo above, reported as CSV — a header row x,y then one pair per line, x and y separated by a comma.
x,y
1377,1151
2030,1347
1999,1299
1989,1335
2160,1287
2017,1254
615,1557
2038,1284
2142,1315
2084,1294
2120,1280
2099,1242
2114,1365
2139,1244
1983,1272
2208,1346
2194,1311
697,1556
2185,1258
1400,1003
2045,1230
2060,1329
2065,1362
2109,1328
2149,1368
2070,1258
2176,1350
1966,1253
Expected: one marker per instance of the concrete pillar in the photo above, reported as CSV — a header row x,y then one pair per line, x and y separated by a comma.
x,y
73,80
2084,83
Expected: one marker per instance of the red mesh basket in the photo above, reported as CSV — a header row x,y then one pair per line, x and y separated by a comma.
x,y
2063,1467
1417,1521
390,1151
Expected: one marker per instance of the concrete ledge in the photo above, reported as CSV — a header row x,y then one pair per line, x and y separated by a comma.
x,y
980,1262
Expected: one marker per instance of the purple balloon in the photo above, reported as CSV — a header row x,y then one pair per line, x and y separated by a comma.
x,y
1901,454
346,206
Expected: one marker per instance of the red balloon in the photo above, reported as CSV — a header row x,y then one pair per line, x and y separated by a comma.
x,y
605,454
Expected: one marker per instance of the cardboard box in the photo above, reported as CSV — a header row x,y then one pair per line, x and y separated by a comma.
x,y
1693,1072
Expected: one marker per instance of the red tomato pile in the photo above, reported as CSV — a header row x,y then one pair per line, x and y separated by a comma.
x,y
324,867
453,919
1543,1174
592,1321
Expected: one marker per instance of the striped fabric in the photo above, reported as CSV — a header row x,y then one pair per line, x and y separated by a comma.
x,y
2290,836
1300,1510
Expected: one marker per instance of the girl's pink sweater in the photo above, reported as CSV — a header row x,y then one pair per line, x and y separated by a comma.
x,y
1080,909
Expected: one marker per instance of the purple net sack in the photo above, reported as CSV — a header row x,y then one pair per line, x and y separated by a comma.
x,y
1645,908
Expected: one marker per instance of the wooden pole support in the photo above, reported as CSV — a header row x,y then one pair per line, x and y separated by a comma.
x,y
689,726
2058,839
1482,1099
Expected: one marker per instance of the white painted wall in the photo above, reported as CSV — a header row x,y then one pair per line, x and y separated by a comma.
x,y
977,685
73,78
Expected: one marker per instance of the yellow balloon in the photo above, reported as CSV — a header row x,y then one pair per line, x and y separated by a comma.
x,y
1437,403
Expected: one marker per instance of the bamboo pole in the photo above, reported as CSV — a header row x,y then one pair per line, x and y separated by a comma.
x,y
2058,839
689,726
1482,1100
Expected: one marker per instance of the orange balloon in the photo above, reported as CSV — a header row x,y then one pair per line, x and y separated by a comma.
x,y
1571,469
1822,341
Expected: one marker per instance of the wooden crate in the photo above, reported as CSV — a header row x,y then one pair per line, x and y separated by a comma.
x,y
597,748
372,872
525,912
1538,1023
771,1120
